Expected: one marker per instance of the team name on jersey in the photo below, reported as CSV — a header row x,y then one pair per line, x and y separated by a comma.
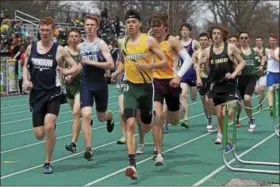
x,y
42,63
136,56
219,61
250,61
91,56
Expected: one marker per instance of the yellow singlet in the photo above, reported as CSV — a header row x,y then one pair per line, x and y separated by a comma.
x,y
137,53
169,71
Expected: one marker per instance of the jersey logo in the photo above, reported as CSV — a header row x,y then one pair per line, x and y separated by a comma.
x,y
42,64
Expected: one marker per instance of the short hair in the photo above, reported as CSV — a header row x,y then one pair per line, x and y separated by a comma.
x,y
187,25
161,17
259,37
132,14
47,21
233,36
92,17
203,34
272,35
244,32
76,30
222,29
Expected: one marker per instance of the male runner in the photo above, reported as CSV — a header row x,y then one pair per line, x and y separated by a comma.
x,y
42,61
203,91
261,52
120,86
219,58
167,83
189,79
233,39
138,92
73,87
248,78
273,68
96,58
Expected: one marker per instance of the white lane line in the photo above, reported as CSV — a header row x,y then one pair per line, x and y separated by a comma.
x,y
198,183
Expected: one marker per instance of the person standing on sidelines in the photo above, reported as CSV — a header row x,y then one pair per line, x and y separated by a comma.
x,y
96,58
42,61
137,52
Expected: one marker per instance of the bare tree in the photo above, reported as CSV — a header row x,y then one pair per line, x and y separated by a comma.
x,y
41,8
240,15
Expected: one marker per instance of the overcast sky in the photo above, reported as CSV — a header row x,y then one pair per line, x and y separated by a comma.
x,y
201,17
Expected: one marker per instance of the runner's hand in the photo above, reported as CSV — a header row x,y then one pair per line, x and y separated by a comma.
x,y
175,82
27,85
115,75
62,71
68,78
259,68
198,84
229,76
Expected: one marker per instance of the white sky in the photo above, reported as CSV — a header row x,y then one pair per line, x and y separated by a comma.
x,y
201,17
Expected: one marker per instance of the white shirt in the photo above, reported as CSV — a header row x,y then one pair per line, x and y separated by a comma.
x,y
272,64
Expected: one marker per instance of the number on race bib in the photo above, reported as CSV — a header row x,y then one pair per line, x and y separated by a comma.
x,y
125,87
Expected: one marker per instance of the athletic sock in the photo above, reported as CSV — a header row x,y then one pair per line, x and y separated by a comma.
x,y
131,159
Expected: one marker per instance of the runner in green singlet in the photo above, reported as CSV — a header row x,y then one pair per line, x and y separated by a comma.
x,y
248,78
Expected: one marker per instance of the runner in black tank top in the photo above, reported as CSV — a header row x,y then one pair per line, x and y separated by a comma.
x,y
222,73
41,61
224,89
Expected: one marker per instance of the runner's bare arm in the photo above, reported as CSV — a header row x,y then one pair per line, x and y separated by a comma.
x,y
66,57
25,74
241,63
196,45
203,57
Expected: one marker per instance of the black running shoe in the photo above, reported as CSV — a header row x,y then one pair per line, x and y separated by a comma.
x,y
88,154
71,147
110,123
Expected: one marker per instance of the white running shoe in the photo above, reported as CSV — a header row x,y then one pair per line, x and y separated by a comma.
x,y
252,125
159,161
218,139
140,149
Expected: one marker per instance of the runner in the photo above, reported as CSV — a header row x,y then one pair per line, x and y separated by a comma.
x,y
273,68
189,79
137,51
261,51
219,59
96,58
233,39
203,91
167,83
42,61
73,87
247,79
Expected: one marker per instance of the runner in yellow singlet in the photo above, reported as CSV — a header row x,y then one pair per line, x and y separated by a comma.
x,y
137,53
166,81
